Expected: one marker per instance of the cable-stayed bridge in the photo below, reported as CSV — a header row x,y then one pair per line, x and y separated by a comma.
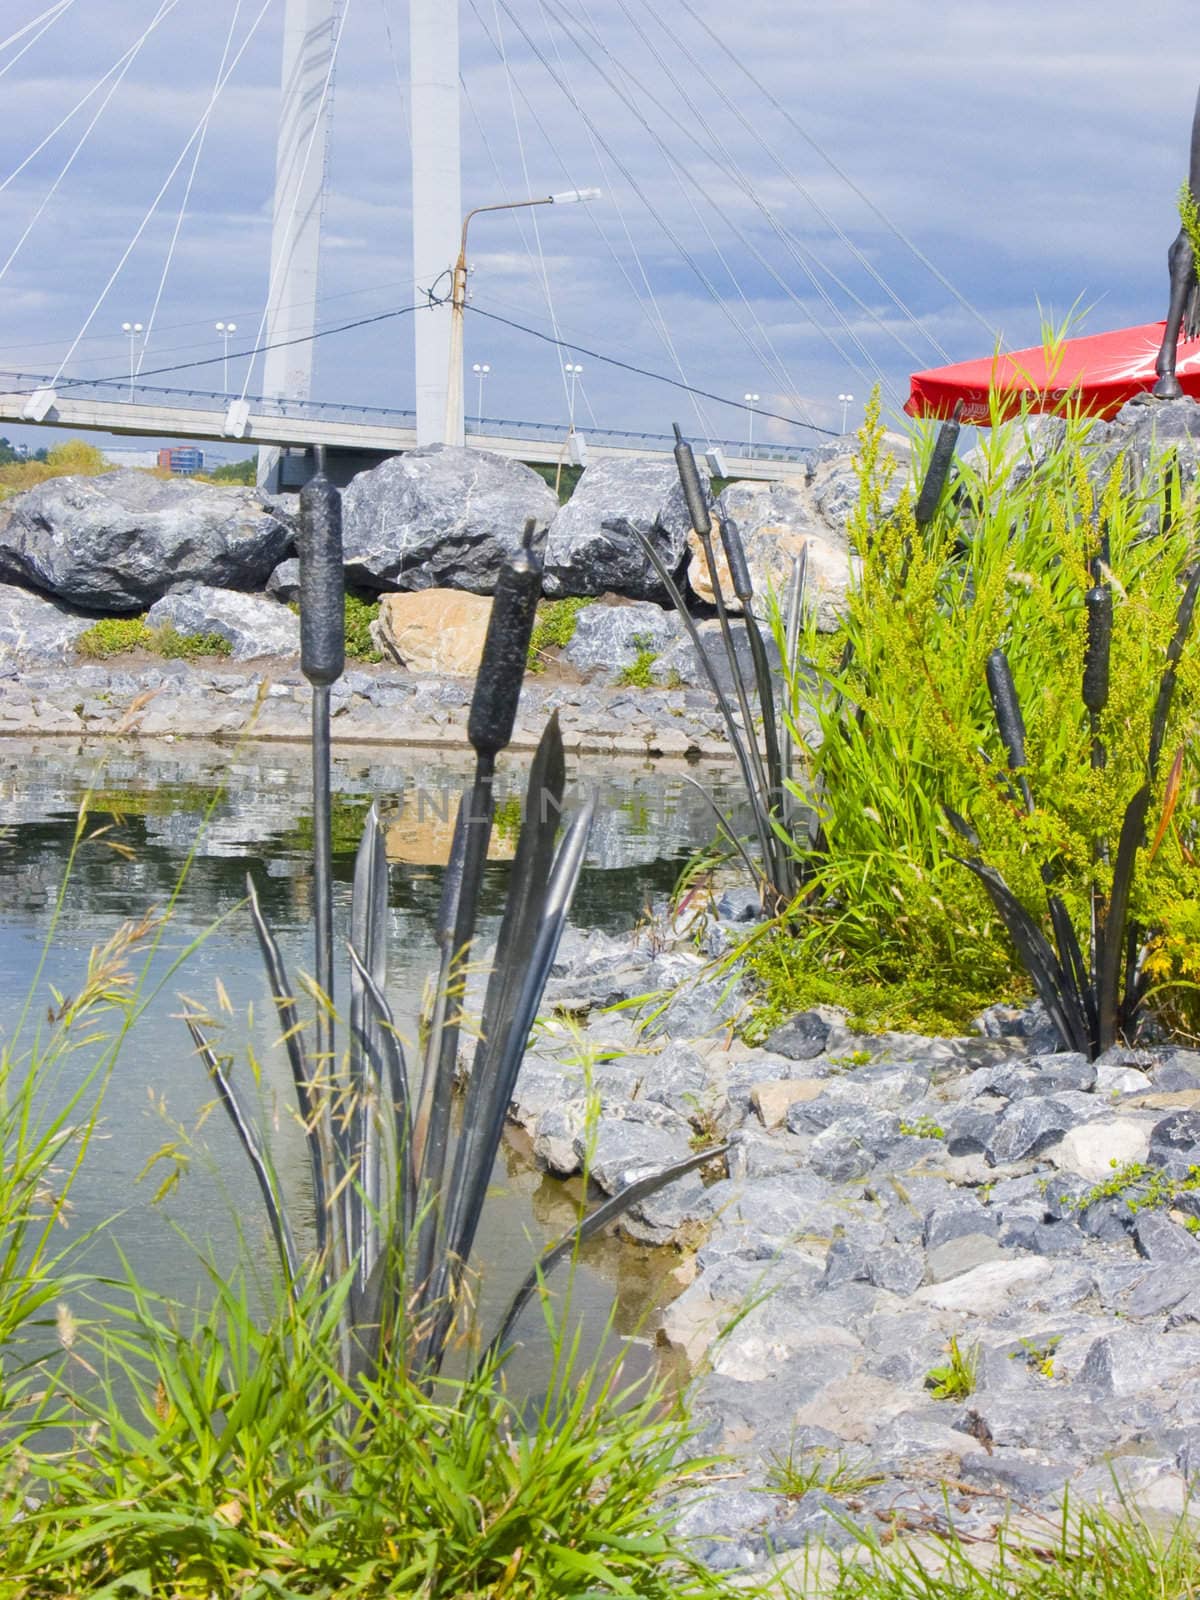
x,y
666,70
356,436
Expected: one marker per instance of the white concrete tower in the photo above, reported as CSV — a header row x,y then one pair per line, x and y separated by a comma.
x,y
308,36
437,212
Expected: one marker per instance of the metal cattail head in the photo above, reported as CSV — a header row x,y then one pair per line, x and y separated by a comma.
x,y
506,649
1099,604
735,556
1006,707
939,468
322,582
693,489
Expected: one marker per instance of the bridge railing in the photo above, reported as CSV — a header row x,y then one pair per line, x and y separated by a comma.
x,y
146,394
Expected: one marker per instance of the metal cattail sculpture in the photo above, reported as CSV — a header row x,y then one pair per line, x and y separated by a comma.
x,y
396,1201
1091,1002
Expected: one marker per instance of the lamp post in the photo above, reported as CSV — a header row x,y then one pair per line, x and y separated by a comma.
x,y
481,370
132,329
845,400
751,400
572,370
452,433
226,330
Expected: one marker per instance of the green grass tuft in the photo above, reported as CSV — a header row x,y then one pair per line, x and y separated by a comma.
x,y
554,628
114,636
360,614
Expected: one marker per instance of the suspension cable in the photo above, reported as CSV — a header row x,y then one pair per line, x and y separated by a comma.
x,y
187,194
141,227
126,62
47,20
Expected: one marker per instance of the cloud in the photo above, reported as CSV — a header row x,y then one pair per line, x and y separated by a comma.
x,y
1031,152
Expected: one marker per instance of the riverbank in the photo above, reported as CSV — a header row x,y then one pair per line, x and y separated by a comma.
x,y
940,1282
383,705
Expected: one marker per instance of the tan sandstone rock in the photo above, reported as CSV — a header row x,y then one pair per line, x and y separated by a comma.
x,y
434,630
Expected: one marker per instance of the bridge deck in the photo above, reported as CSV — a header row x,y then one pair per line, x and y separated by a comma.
x,y
189,414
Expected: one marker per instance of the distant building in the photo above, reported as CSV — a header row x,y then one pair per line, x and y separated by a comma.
x,y
182,460
132,458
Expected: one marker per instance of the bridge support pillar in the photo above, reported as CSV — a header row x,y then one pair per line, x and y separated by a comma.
x,y
306,91
437,213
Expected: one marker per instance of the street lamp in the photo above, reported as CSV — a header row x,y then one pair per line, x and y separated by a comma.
x,y
845,399
132,329
572,370
226,330
481,370
751,400
452,433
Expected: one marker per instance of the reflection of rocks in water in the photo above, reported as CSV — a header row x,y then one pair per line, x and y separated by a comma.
x,y
421,831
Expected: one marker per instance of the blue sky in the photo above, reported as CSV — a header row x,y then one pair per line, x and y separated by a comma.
x,y
1030,152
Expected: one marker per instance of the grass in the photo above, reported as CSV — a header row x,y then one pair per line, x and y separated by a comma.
x,y
1143,1188
797,1473
956,1378
639,674
219,1479
554,628
114,636
906,730
1084,1555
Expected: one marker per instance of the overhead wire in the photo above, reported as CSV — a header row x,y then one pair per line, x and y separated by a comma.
x,y
766,352
680,44
141,228
697,269
657,319
187,194
533,221
897,232
47,20
121,64
658,377
611,197
126,61
869,369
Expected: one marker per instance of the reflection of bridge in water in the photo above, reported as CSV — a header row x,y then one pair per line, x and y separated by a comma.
x,y
354,436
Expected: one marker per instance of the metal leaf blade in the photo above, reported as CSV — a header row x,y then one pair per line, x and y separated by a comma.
x,y
1110,974
252,1144
591,1225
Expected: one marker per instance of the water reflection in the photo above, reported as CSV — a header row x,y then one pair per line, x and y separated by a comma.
x,y
151,810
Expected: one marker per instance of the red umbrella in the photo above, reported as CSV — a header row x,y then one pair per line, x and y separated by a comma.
x,y
1097,374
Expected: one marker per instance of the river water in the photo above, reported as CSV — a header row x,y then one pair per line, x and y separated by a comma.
x,y
151,807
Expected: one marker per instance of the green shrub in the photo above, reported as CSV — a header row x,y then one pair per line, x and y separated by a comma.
x,y
639,674
554,628
360,614
114,636
905,726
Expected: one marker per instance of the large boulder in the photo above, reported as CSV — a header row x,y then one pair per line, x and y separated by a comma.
x,y
117,542
593,548
440,518
33,629
436,630
249,624
609,638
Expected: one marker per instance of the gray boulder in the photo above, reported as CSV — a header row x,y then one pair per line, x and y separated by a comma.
x,y
117,542
284,582
439,518
251,625
592,548
609,638
1175,1143
680,660
33,629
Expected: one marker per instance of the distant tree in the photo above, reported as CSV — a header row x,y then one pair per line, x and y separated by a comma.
x,y
235,472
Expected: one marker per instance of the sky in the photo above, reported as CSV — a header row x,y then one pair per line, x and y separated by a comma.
x,y
802,202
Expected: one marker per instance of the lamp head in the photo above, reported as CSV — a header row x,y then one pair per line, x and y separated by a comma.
x,y
573,196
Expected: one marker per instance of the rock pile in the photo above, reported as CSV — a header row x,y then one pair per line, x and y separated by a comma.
x,y
1013,1229
428,526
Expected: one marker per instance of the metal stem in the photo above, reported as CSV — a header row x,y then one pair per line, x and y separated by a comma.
x,y
322,868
